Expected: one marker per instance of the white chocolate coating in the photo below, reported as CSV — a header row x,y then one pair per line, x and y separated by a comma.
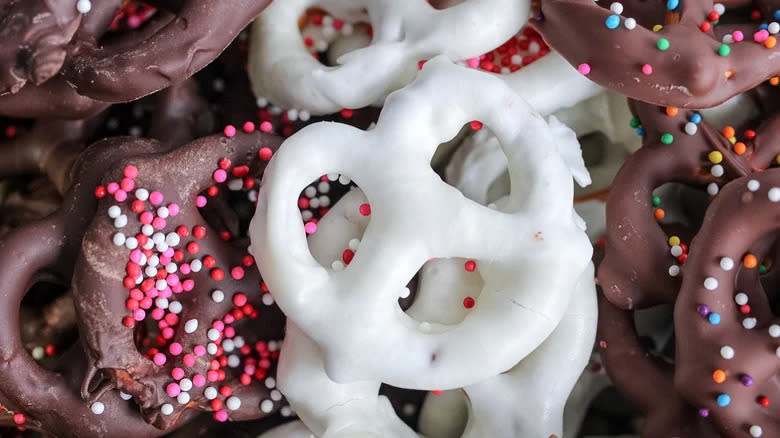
x,y
405,33
530,252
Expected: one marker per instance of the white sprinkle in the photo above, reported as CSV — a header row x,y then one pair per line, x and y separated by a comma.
x,y
710,283
161,284
753,185
238,341
235,184
774,27
727,352
228,346
166,409
38,353
324,201
719,8
774,331
304,115
344,180
616,7
210,393
337,266
712,189
114,211
741,299
267,406
142,194
185,384
726,263
676,251
306,215
161,247
749,323
234,361
172,239
190,326
756,431
268,299
218,296
213,334
276,395
150,271
409,409
728,39
171,268
691,128
97,408
674,270
233,403
292,114
83,6
119,239
353,244
183,398
270,383
154,260
310,192
314,202
286,411
332,176
148,230
211,348
158,238
717,171
124,396
405,292
323,187
131,243
774,194
630,23
777,352
161,302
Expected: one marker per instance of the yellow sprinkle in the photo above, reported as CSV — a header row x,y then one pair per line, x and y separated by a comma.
x,y
674,240
733,140
778,159
657,27
715,157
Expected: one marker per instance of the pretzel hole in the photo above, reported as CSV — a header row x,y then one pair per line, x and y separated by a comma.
x,y
405,402
47,321
328,36
683,205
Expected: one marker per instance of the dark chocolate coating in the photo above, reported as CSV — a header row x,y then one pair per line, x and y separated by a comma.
x,y
100,293
634,273
690,74
738,221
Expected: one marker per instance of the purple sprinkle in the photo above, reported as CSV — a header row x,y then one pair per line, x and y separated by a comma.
x,y
539,16
704,412
703,309
746,380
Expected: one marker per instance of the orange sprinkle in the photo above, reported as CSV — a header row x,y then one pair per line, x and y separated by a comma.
x,y
659,213
729,132
739,148
719,376
671,111
770,42
774,80
750,261
728,74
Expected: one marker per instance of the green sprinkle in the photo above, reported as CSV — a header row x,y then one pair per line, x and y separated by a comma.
x,y
635,122
667,138
663,44
724,50
656,201
762,269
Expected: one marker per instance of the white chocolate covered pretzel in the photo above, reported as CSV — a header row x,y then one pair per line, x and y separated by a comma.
x,y
404,33
530,251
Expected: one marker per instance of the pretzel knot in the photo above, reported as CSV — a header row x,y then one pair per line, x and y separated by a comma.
x,y
283,70
727,332
416,217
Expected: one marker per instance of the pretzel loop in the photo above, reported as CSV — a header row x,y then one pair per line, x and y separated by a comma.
x,y
535,219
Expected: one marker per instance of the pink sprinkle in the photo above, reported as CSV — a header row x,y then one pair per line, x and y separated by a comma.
x,y
127,184
166,293
159,359
229,319
230,131
249,369
120,195
175,349
112,187
152,293
220,175
738,35
139,315
189,360
221,416
249,127
185,269
230,332
165,260
134,21
758,37
168,333
146,217
188,284
158,314
136,256
310,228
219,325
265,153
173,209
162,325
212,376
177,373
473,62
158,223
173,389
200,201
136,294
198,380
237,272
199,350
266,126
172,279
177,288
583,69
647,69
156,198
131,171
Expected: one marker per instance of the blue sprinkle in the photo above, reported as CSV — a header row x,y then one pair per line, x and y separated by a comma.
x,y
672,4
724,400
696,118
714,318
764,26
777,14
640,132
613,21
